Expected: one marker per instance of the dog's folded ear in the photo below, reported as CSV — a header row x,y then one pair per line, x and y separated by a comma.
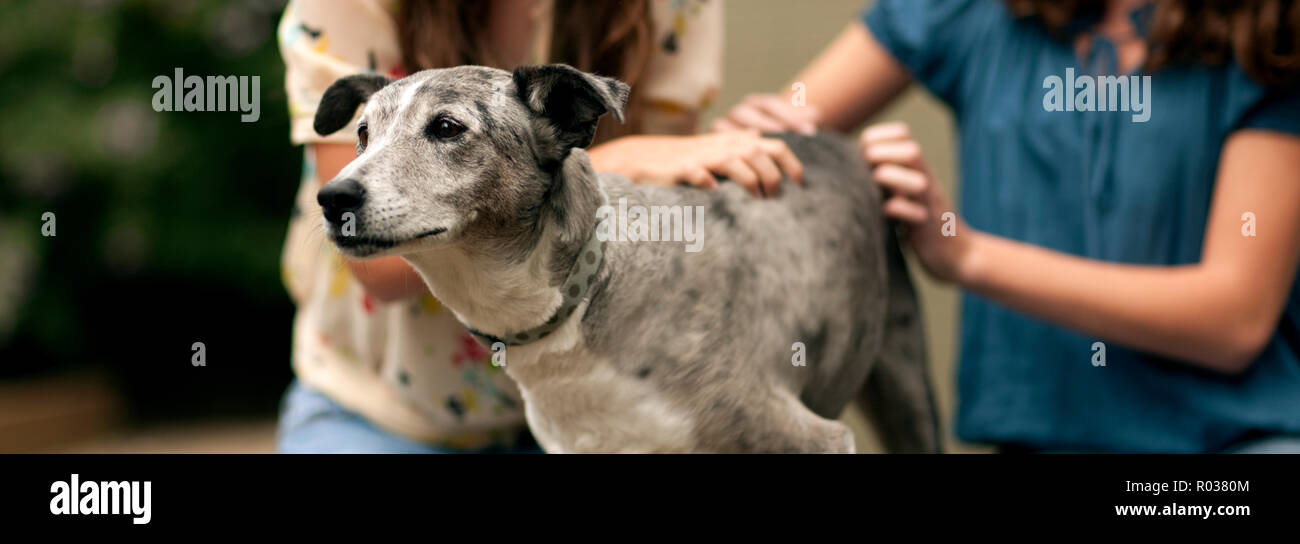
x,y
570,100
340,101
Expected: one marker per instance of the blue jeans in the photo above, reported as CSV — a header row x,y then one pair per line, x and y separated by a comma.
x,y
312,423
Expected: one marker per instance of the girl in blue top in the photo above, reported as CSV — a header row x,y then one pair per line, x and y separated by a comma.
x,y
1129,267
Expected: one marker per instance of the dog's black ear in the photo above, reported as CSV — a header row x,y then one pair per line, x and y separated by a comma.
x,y
570,99
340,101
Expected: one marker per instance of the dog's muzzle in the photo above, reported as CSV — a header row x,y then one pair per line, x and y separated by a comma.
x,y
339,197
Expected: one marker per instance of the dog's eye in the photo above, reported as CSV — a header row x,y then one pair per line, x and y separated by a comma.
x,y
363,135
443,128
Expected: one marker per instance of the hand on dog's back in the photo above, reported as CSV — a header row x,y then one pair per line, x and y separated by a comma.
x,y
745,157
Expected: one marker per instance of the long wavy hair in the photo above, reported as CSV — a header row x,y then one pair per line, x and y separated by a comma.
x,y
599,36
1262,36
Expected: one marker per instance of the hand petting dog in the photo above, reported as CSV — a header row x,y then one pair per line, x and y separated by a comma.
x,y
916,200
756,163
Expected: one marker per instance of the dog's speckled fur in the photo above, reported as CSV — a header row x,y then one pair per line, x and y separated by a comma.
x,y
673,351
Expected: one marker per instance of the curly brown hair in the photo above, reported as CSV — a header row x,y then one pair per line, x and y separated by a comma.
x,y
1262,36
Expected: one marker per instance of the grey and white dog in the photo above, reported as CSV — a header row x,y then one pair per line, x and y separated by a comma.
x,y
477,178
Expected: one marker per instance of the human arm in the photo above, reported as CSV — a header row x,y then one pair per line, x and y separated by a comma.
x,y
1216,314
386,279
756,163
848,82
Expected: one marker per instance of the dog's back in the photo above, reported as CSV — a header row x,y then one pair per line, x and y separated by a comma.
x,y
813,276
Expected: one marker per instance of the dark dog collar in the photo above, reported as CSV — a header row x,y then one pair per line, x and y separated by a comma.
x,y
574,290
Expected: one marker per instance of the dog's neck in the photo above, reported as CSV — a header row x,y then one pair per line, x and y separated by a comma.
x,y
500,295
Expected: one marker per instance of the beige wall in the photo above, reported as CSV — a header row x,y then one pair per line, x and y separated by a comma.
x,y
768,41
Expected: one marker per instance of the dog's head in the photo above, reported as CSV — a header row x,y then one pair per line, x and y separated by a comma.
x,y
454,154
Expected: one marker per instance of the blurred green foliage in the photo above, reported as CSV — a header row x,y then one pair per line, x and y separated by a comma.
x,y
154,210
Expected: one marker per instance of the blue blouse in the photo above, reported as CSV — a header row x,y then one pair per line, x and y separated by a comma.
x,y
1099,185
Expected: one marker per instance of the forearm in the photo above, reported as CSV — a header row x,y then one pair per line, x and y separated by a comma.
x,y
851,80
610,157
386,279
618,155
1195,313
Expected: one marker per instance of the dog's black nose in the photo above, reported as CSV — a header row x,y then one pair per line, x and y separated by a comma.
x,y
340,196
